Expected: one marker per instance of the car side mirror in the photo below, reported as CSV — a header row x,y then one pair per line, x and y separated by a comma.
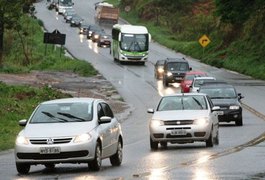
x,y
23,122
104,120
240,96
216,108
151,111
190,68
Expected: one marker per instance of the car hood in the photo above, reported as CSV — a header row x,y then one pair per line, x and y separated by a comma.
x,y
180,115
57,129
221,102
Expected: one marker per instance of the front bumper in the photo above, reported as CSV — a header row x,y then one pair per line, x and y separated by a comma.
x,y
230,115
191,133
69,153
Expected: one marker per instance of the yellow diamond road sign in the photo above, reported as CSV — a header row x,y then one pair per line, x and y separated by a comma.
x,y
204,41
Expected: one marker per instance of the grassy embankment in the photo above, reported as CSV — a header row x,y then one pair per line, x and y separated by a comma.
x,y
240,50
17,102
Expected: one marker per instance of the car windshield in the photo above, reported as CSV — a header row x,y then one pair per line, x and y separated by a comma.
x,y
134,42
63,112
169,103
222,92
178,66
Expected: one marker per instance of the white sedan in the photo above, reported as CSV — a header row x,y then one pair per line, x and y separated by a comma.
x,y
70,130
184,118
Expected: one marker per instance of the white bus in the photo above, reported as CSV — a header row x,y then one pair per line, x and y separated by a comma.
x,y
130,43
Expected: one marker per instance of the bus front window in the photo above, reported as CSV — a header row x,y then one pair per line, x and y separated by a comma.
x,y
134,42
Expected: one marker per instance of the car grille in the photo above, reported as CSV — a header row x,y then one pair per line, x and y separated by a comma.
x,y
51,141
62,155
178,136
178,122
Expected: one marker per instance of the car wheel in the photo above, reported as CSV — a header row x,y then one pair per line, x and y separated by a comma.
x,y
163,144
116,159
239,122
210,140
153,144
165,82
95,164
216,141
23,168
49,166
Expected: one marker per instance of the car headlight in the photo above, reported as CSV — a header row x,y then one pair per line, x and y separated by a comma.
x,y
156,123
169,73
234,107
201,121
160,70
22,140
82,138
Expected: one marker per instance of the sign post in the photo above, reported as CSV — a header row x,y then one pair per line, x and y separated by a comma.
x,y
54,38
204,41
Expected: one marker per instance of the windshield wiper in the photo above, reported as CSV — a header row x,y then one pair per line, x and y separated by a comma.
x,y
70,116
53,117
196,100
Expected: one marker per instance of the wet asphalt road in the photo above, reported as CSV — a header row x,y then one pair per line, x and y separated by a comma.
x,y
240,154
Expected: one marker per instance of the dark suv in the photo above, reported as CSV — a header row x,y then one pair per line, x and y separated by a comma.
x,y
175,70
226,97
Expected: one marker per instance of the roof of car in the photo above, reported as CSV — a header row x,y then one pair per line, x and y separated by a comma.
x,y
70,100
204,77
213,85
186,94
195,72
175,60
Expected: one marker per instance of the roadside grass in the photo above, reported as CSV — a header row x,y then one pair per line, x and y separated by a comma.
x,y
24,51
18,102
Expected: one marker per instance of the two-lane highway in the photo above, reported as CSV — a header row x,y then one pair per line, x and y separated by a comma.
x,y
236,157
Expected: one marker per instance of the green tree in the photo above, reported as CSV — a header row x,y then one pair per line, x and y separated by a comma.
x,y
10,13
235,12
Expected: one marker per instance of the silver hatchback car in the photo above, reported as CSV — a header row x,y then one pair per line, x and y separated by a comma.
x,y
70,130
184,118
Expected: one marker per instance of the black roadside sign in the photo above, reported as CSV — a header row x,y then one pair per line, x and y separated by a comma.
x,y
54,38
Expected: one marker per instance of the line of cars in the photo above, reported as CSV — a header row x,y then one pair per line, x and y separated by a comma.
x,y
195,113
91,31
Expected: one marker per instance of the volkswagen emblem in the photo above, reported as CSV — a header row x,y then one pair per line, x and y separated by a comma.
x,y
50,141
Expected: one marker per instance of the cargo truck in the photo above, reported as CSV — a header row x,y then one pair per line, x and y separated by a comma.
x,y
106,13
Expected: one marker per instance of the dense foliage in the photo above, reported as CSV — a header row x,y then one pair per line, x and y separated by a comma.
x,y
235,28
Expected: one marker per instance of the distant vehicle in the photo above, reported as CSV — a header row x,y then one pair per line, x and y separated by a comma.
x,y
104,40
76,21
198,81
69,12
175,70
188,78
83,28
91,29
95,35
159,69
226,97
71,130
61,5
184,118
106,13
130,43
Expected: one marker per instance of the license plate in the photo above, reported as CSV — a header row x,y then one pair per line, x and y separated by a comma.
x,y
178,132
50,150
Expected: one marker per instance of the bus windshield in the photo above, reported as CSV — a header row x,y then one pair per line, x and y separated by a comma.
x,y
134,42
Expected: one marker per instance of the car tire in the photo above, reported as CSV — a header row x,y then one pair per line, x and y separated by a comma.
x,y
95,164
153,144
165,82
216,140
210,140
116,159
164,145
23,168
239,122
